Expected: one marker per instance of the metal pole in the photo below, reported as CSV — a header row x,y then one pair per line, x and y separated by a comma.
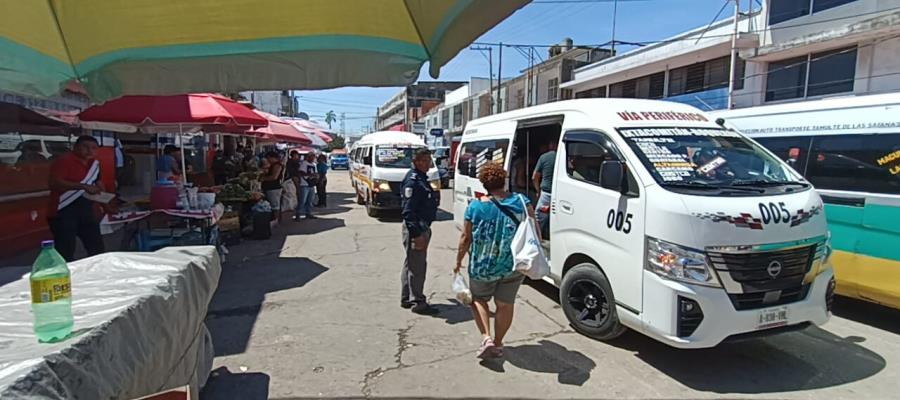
x,y
613,40
499,78
491,77
731,75
183,163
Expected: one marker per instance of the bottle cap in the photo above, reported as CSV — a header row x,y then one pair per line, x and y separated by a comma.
x,y
47,244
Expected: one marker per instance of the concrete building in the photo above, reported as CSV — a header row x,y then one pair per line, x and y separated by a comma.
x,y
789,50
538,84
411,103
275,102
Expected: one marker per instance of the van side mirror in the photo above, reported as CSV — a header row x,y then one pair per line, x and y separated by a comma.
x,y
612,175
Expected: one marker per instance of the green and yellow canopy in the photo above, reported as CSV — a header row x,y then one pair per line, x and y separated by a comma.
x,y
118,47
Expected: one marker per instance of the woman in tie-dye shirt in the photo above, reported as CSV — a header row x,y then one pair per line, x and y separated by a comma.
x,y
487,237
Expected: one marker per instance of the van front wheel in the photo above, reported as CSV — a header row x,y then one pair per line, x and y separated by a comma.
x,y
587,300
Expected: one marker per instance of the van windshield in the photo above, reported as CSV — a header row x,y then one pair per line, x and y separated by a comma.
x,y
394,156
708,158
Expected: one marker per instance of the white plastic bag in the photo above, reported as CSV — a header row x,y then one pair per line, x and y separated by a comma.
x,y
528,254
461,289
288,195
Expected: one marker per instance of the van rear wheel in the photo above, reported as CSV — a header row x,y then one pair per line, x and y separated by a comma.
x,y
588,302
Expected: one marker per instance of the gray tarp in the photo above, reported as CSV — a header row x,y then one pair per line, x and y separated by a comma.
x,y
138,328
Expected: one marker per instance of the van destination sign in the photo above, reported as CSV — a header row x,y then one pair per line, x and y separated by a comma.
x,y
660,116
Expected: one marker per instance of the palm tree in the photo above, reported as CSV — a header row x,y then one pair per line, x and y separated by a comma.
x,y
329,118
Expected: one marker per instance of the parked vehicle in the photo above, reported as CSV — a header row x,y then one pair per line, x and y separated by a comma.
x,y
849,148
662,221
441,157
339,159
15,148
378,163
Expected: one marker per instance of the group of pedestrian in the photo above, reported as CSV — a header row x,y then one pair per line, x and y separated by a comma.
x,y
309,174
486,238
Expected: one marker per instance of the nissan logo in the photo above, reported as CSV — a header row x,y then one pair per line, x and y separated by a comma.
x,y
774,268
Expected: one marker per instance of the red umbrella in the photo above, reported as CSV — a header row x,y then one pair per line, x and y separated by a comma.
x,y
279,130
159,113
185,109
309,127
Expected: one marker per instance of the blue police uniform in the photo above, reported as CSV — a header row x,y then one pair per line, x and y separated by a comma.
x,y
420,204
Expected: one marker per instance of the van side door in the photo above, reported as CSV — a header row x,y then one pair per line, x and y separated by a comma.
x,y
589,218
472,155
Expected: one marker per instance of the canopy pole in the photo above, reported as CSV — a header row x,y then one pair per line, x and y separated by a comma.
x,y
183,163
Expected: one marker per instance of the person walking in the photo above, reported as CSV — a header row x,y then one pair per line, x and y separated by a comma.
x,y
322,170
70,214
308,177
543,184
419,211
490,225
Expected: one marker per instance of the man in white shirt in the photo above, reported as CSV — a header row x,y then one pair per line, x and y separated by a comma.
x,y
307,187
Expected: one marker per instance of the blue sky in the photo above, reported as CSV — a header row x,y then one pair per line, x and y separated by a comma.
x,y
538,24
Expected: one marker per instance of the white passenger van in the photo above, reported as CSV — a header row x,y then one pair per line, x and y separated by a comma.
x,y
662,221
378,163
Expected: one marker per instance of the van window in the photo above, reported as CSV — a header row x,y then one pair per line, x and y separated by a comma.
x,y
473,155
793,150
708,161
863,163
367,155
394,156
585,156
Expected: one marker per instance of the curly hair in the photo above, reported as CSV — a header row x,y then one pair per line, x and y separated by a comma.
x,y
492,176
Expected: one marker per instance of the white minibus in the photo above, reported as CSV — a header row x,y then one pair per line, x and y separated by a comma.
x,y
378,163
662,221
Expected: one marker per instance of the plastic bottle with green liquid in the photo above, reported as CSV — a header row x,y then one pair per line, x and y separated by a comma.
x,y
51,295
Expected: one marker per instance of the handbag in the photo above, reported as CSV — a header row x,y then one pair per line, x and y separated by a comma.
x,y
528,254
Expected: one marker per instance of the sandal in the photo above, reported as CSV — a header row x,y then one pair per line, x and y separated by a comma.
x,y
487,349
497,351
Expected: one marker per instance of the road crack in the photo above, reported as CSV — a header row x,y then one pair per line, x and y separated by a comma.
x,y
539,311
402,344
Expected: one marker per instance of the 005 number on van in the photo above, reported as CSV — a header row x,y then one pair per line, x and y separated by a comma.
x,y
619,221
772,213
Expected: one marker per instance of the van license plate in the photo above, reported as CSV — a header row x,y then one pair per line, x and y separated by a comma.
x,y
772,317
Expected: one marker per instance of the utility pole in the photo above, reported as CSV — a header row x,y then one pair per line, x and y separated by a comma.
x,y
343,119
734,55
613,41
499,78
490,74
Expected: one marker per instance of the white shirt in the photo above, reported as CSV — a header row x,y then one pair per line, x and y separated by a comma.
x,y
309,168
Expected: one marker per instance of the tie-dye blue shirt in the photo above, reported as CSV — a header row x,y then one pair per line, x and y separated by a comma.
x,y
490,257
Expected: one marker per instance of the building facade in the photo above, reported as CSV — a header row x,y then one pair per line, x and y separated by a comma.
x,y
412,102
788,50
275,102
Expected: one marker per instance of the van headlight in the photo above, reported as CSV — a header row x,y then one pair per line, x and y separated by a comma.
x,y
381,186
679,263
435,185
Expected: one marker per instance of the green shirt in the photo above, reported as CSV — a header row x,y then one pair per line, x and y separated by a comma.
x,y
545,166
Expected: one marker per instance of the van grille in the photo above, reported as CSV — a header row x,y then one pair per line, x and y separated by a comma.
x,y
766,278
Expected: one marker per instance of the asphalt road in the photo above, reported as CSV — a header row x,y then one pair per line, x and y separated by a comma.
x,y
314,313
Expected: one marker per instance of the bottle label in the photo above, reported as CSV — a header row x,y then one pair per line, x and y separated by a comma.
x,y
50,290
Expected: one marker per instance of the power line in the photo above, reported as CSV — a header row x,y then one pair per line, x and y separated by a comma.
x,y
673,40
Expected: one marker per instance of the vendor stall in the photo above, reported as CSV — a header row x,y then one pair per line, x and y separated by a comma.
x,y
128,340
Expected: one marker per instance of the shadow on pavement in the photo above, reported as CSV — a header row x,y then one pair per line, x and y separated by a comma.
x,y
812,358
242,290
571,367
307,226
337,204
223,384
878,316
454,312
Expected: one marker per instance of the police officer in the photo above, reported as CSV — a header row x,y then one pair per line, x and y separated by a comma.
x,y
420,203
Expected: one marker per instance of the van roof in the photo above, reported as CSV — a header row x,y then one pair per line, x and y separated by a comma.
x,y
390,137
844,102
624,112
